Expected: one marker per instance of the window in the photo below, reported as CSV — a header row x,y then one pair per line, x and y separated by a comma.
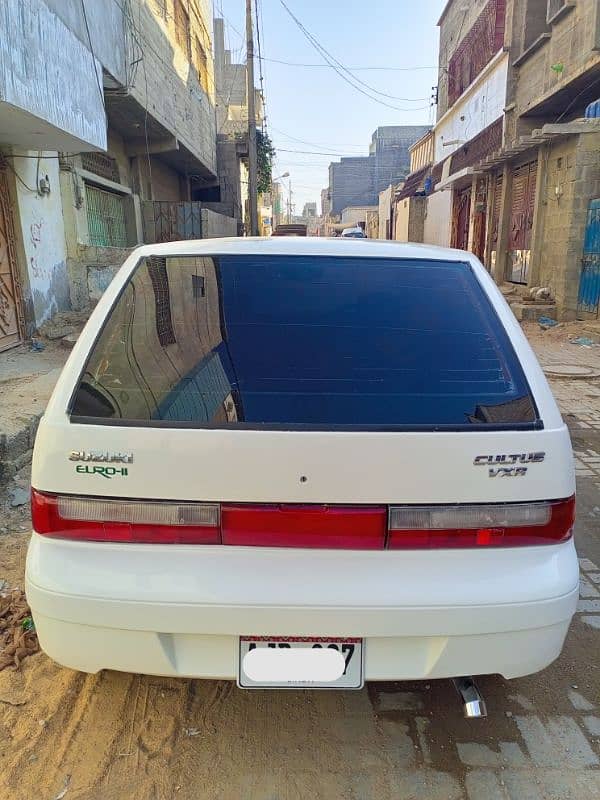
x,y
101,164
105,218
182,27
157,270
298,342
535,22
201,64
556,6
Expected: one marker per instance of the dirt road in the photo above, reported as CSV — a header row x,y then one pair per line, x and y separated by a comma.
x,y
127,737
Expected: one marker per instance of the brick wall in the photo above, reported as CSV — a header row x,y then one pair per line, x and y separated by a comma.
x,y
573,167
572,45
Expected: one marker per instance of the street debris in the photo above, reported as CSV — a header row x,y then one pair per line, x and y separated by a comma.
x,y
37,345
64,790
582,341
18,496
18,638
547,322
192,731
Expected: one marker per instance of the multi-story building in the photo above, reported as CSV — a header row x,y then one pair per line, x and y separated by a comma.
x,y
97,149
516,165
547,173
409,203
357,180
473,74
232,133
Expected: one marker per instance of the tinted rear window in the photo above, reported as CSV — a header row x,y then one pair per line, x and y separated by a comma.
x,y
304,341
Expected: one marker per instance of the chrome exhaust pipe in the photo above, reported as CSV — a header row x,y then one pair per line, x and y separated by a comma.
x,y
473,703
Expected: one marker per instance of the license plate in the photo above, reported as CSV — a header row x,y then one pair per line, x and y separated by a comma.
x,y
300,662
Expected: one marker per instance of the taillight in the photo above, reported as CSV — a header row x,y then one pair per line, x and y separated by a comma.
x,y
345,527
94,519
311,526
498,525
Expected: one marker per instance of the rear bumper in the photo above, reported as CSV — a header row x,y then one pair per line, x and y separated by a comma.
x,y
173,610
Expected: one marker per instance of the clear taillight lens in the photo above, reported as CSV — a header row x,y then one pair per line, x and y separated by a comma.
x,y
498,525
94,519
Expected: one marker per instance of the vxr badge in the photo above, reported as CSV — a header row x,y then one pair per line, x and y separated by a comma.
x,y
508,465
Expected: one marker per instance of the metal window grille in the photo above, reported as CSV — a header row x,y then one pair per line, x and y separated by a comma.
x,y
477,48
157,270
105,217
101,164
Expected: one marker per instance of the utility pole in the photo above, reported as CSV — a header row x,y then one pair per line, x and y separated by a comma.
x,y
289,214
252,156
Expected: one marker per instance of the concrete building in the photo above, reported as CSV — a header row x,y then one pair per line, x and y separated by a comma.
x,y
472,85
409,204
104,150
232,132
518,163
547,173
357,180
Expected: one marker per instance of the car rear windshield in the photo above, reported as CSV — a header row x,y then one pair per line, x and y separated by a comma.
x,y
295,341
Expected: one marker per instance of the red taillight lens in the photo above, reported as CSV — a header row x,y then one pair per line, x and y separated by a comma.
x,y
99,520
310,526
501,525
351,527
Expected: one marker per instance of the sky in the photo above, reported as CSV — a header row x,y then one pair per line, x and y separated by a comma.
x,y
312,108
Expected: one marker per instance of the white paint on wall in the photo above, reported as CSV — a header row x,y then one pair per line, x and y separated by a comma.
x,y
42,230
480,105
437,219
47,72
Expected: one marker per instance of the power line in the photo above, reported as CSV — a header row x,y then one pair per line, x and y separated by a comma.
x,y
343,71
352,69
313,144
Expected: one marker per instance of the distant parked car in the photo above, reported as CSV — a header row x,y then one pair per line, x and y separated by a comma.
x,y
345,458
292,229
353,233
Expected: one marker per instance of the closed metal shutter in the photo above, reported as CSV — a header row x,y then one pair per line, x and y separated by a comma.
x,y
523,206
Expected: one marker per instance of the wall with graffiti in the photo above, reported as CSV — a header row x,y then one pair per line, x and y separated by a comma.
x,y
40,215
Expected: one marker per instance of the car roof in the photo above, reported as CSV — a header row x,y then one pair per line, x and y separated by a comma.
x,y
299,246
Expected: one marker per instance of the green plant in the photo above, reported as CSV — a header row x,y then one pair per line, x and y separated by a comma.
x,y
265,153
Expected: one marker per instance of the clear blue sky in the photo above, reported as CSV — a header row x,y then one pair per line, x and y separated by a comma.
x,y
314,104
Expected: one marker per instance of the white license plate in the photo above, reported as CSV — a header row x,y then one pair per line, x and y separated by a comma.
x,y
300,662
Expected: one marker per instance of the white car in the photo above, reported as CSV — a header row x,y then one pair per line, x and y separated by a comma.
x,y
300,462
353,233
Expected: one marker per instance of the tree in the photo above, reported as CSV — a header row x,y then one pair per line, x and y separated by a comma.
x,y
265,154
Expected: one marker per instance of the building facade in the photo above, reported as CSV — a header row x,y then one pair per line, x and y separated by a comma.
x,y
105,150
357,180
516,164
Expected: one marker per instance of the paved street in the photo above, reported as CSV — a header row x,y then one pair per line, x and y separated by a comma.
x,y
115,736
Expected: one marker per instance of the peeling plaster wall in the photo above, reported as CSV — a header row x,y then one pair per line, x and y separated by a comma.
x,y
39,59
42,232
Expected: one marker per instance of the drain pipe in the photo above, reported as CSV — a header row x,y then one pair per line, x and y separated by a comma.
x,y
473,703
